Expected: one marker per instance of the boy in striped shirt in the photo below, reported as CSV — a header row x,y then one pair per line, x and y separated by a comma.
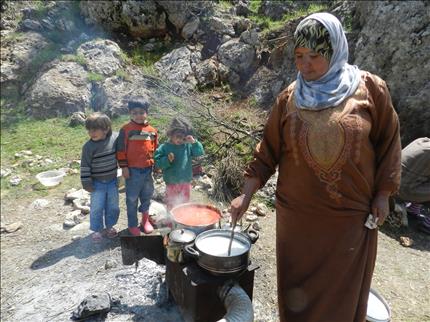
x,y
99,175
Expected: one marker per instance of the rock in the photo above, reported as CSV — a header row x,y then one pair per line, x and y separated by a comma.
x,y
242,24
206,73
5,172
102,56
277,9
15,180
262,210
61,90
190,28
242,9
406,241
82,227
72,219
29,24
92,305
399,54
114,93
77,118
176,66
73,194
250,37
221,26
110,263
159,214
40,203
11,228
17,54
256,226
83,205
141,19
76,237
236,55
251,217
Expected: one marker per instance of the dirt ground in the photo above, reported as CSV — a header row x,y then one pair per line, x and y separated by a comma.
x,y
47,271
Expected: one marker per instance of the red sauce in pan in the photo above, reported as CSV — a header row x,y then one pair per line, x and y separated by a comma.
x,y
195,215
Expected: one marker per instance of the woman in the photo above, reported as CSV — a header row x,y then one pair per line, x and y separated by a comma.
x,y
334,136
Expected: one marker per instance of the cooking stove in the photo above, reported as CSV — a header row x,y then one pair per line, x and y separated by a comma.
x,y
195,290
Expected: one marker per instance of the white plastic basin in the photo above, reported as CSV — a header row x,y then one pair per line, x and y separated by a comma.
x,y
50,178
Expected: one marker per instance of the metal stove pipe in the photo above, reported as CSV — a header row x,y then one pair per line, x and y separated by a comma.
x,y
236,302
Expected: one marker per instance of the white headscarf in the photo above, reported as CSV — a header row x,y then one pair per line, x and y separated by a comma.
x,y
341,79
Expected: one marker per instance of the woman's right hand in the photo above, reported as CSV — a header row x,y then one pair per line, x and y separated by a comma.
x,y
239,206
125,173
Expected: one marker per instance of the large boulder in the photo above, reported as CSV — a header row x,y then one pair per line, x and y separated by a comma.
x,y
237,56
139,18
143,19
17,54
59,91
399,53
102,56
146,19
112,94
177,66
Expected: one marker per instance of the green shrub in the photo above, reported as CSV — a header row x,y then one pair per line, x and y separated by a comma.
x,y
95,77
80,59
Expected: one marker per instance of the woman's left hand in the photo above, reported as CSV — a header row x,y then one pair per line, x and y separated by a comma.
x,y
380,206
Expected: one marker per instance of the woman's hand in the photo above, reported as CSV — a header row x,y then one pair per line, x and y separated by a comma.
x,y
171,157
125,173
239,206
380,206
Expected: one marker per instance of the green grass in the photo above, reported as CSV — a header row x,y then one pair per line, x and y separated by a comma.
x,y
80,59
267,24
94,77
225,4
254,6
51,139
122,74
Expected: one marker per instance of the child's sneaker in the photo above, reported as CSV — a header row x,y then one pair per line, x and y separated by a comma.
x,y
96,237
134,231
111,233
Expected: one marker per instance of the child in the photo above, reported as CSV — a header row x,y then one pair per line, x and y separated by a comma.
x,y
99,175
175,159
137,142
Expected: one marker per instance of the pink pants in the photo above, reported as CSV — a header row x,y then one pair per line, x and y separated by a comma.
x,y
177,194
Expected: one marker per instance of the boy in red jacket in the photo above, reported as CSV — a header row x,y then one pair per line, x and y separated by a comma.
x,y
137,142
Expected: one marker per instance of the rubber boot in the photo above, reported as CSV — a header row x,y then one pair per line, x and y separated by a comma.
x,y
145,224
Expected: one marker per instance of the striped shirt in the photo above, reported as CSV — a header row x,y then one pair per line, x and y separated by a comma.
x,y
98,160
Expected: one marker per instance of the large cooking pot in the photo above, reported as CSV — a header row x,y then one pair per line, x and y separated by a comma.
x,y
175,242
211,250
195,217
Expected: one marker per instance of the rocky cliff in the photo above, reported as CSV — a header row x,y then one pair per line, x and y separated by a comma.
x,y
60,57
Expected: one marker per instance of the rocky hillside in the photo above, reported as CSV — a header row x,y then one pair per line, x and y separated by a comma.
x,y
62,57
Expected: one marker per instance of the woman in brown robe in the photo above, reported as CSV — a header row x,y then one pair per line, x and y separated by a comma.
x,y
333,134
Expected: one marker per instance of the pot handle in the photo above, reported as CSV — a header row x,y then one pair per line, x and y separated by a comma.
x,y
191,251
253,235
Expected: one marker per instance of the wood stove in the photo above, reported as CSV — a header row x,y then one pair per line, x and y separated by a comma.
x,y
195,290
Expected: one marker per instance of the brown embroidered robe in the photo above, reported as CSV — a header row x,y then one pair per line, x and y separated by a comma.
x,y
331,163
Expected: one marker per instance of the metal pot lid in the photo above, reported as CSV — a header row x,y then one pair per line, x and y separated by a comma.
x,y
182,236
